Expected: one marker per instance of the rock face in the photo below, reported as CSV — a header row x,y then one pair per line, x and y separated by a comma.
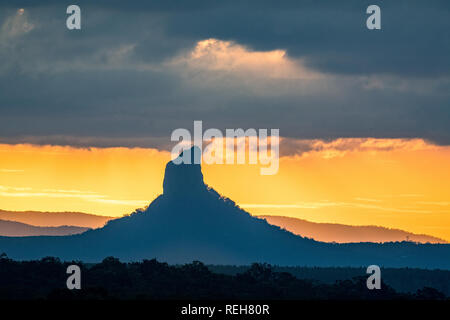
x,y
191,221
184,180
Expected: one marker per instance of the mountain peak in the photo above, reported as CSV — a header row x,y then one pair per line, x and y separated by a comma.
x,y
184,179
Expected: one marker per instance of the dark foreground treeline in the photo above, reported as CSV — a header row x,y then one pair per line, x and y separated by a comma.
x,y
401,279
150,279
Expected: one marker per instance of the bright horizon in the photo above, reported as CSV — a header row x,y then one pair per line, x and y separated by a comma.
x,y
394,183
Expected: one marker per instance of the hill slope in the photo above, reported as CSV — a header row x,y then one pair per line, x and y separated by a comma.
x,y
18,229
55,219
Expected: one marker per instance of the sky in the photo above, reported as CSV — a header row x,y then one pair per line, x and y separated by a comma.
x,y
364,115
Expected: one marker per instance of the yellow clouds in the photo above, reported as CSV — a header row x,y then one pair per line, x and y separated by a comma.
x,y
226,56
11,170
29,193
340,147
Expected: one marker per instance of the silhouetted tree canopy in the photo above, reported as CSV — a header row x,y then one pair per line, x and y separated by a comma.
x,y
150,279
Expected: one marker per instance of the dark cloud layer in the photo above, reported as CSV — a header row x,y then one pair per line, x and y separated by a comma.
x,y
115,79
330,34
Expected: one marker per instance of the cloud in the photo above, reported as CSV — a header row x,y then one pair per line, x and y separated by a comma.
x,y
322,204
160,143
303,205
229,57
19,192
288,147
332,37
340,147
15,25
367,199
138,71
436,203
9,188
11,170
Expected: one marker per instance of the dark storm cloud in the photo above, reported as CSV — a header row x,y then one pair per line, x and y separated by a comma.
x,y
331,35
110,80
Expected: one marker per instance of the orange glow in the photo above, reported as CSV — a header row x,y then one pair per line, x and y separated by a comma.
x,y
110,181
402,184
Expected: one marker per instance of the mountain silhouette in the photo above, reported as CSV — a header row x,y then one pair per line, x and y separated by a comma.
x,y
191,221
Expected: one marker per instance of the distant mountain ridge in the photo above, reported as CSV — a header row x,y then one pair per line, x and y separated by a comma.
x,y
18,229
191,221
341,233
55,219
326,232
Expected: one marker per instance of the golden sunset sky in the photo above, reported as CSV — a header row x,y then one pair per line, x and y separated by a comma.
x,y
395,183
